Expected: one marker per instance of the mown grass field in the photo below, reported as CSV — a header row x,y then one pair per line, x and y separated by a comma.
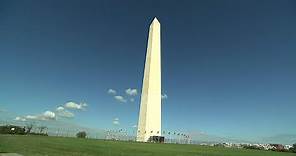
x,y
59,146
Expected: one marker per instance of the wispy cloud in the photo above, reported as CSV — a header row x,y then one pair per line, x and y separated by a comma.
x,y
116,121
131,92
288,139
132,100
32,117
61,111
120,99
18,118
74,105
112,91
3,110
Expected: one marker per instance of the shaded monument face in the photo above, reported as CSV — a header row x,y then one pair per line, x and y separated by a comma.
x,y
149,123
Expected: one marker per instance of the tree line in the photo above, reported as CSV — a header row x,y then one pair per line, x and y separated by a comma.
x,y
25,130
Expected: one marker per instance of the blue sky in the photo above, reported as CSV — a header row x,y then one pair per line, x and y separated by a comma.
x,y
228,66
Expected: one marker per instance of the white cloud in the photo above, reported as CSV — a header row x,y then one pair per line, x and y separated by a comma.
x,y
33,117
47,115
116,121
134,126
51,115
120,99
112,91
61,111
132,100
73,105
131,92
60,108
20,118
164,96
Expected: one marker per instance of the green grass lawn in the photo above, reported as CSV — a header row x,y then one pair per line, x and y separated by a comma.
x,y
59,146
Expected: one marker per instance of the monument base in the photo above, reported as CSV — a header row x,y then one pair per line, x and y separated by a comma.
x,y
156,139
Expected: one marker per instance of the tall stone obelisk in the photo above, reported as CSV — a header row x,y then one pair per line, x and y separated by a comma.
x,y
149,123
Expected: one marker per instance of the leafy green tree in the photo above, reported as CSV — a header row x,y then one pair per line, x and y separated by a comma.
x,y
81,134
293,149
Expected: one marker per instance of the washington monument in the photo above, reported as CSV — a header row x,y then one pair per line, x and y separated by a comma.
x,y
149,123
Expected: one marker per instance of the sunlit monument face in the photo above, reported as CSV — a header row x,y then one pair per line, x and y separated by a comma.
x,y
150,110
